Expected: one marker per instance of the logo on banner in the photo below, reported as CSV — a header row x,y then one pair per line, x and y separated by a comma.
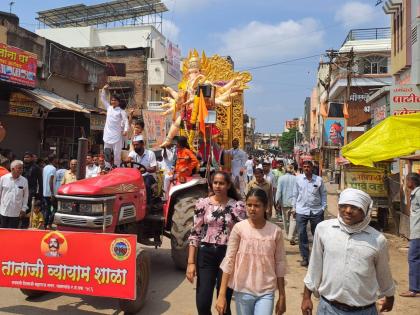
x,y
120,249
54,244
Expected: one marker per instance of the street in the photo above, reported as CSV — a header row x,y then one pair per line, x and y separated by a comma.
x,y
171,293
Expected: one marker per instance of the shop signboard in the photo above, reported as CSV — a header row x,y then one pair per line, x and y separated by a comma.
x,y
334,132
23,106
370,180
69,262
173,57
405,99
379,109
17,66
97,122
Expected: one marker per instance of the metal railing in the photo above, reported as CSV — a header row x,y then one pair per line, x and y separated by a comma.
x,y
368,33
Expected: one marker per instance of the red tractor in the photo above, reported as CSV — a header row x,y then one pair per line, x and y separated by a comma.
x,y
116,203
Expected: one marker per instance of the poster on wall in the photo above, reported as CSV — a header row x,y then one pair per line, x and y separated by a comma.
x,y
334,132
155,125
173,57
17,66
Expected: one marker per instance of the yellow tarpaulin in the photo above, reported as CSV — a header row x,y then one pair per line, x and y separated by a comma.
x,y
393,137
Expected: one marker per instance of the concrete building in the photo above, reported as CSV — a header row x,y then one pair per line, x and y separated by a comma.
x,y
150,61
249,130
50,104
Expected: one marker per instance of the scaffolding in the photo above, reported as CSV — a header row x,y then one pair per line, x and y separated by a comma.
x,y
108,14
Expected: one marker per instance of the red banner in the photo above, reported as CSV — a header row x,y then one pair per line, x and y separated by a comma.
x,y
69,262
17,66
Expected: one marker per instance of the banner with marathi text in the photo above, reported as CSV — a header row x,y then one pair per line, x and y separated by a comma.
x,y
17,66
368,180
69,262
155,125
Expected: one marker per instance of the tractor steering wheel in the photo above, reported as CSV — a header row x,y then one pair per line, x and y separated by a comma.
x,y
139,166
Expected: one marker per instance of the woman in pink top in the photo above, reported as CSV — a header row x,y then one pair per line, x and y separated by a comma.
x,y
255,262
214,218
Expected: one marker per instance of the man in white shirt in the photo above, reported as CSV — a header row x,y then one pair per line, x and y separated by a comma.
x,y
48,177
116,126
349,266
239,158
14,194
148,164
92,170
249,165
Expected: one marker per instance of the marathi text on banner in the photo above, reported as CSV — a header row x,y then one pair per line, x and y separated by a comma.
x,y
52,262
370,181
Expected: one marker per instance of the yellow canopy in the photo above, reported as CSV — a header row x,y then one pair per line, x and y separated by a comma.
x,y
393,137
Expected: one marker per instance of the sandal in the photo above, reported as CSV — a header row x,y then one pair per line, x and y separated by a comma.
x,y
410,294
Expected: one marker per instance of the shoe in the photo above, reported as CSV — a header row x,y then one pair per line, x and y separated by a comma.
x,y
410,294
292,242
304,263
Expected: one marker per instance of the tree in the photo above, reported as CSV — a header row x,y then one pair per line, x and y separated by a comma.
x,y
288,139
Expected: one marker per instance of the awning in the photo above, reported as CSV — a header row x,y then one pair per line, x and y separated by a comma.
x,y
51,100
393,137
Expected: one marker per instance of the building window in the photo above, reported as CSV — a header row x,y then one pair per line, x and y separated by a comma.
x,y
374,65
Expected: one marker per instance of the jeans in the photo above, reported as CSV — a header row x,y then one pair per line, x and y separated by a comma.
x,y
324,308
48,213
302,222
248,304
9,222
414,265
209,276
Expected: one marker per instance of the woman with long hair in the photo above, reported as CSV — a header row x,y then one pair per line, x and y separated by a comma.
x,y
214,218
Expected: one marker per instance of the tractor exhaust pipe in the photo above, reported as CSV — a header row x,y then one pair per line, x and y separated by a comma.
x,y
82,150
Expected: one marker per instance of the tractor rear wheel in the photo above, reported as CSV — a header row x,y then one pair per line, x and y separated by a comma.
x,y
182,222
142,283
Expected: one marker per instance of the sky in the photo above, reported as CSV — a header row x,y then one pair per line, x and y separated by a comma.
x,y
254,33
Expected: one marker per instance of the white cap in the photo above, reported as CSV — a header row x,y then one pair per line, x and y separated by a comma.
x,y
138,138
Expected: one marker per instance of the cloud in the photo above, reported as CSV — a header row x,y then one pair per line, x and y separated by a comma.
x,y
259,43
355,14
170,30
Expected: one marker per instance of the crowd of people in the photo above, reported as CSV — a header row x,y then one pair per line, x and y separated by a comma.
x,y
237,248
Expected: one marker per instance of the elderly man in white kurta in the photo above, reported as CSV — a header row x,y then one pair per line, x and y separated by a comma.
x,y
13,196
349,266
116,125
239,158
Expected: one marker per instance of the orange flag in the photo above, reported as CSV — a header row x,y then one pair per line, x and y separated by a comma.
x,y
202,114
346,110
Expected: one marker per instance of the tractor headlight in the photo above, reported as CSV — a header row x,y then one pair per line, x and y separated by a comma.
x,y
65,206
97,208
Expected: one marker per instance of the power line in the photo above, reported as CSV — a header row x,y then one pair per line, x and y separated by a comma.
x,y
281,62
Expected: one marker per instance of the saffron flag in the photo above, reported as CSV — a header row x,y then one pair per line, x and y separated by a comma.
x,y
346,110
202,114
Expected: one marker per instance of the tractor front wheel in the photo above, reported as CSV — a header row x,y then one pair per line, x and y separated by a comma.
x,y
142,283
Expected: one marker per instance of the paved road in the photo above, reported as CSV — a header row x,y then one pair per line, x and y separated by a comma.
x,y
171,293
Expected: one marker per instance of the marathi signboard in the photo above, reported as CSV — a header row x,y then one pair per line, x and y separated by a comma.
x,y
23,106
334,132
69,262
173,57
367,179
17,66
405,99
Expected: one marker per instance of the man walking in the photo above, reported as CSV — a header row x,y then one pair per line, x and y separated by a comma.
x,y
349,267
239,159
14,195
309,202
48,177
116,127
413,183
284,200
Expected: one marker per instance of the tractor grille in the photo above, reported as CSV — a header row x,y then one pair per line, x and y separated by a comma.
x,y
74,221
127,212
100,221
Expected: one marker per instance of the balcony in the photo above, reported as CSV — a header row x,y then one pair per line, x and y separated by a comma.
x,y
368,34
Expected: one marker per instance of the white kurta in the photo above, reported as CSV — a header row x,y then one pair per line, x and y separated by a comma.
x,y
13,195
116,122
